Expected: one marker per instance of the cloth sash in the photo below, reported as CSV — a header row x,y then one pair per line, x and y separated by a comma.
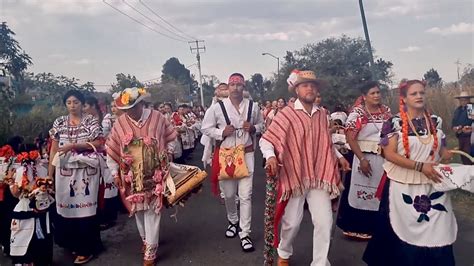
x,y
362,189
422,216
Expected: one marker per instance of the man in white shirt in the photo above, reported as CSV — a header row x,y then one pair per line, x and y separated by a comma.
x,y
240,131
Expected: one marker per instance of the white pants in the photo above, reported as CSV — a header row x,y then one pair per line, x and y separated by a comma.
x,y
148,224
243,188
319,205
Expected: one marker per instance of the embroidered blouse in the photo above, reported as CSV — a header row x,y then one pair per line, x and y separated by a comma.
x,y
418,150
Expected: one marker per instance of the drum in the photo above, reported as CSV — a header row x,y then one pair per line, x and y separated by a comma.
x,y
182,180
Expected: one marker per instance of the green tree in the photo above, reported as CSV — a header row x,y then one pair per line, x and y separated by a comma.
x,y
125,81
255,86
467,77
171,91
14,58
432,78
174,70
209,84
342,62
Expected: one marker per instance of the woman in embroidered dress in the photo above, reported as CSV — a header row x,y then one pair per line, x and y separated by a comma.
x,y
91,106
358,203
416,224
281,103
108,215
75,168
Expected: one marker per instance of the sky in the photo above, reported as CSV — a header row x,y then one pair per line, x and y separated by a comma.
x,y
90,40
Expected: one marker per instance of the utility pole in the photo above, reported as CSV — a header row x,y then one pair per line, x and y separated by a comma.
x,y
367,40
458,63
198,50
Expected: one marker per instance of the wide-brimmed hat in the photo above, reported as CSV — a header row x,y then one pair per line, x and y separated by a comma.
x,y
300,76
130,97
464,94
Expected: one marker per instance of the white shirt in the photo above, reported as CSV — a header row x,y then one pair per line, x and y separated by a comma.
x,y
214,122
267,148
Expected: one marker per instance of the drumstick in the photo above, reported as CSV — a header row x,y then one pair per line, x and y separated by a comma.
x,y
462,153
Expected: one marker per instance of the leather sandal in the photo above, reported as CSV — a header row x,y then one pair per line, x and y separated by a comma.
x,y
80,260
148,262
283,262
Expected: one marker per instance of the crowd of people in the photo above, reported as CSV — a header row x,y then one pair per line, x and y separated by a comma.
x,y
378,168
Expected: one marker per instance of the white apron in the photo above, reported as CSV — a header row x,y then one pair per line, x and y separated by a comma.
x,y
77,185
362,188
422,216
21,230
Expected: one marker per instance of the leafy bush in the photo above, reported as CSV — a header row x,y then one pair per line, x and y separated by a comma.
x,y
38,120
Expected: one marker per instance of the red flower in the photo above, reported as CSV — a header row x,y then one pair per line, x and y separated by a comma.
x,y
22,157
34,155
7,152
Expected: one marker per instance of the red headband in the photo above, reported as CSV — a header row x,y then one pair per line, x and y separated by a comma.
x,y
236,79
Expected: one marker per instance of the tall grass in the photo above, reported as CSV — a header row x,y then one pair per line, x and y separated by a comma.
x,y
440,101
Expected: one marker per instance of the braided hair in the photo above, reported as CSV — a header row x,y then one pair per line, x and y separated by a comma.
x,y
403,88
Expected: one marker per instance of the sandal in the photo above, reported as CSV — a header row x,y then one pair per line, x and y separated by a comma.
x,y
149,262
231,231
357,236
348,234
247,245
362,236
82,259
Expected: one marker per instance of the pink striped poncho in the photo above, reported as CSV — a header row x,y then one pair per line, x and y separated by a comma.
x,y
158,132
303,146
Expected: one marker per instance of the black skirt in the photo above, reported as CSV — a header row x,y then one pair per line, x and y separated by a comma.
x,y
385,248
108,215
6,209
351,219
80,235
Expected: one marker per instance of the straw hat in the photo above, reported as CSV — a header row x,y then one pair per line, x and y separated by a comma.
x,y
297,77
130,97
464,94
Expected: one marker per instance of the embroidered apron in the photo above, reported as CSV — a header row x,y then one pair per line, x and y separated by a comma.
x,y
77,185
22,230
422,216
455,176
362,188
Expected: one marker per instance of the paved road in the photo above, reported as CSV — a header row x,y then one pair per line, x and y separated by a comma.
x,y
197,237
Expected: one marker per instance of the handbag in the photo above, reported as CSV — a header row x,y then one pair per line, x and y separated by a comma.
x,y
232,160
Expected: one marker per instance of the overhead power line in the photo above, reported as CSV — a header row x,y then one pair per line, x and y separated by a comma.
x,y
165,21
154,22
141,23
